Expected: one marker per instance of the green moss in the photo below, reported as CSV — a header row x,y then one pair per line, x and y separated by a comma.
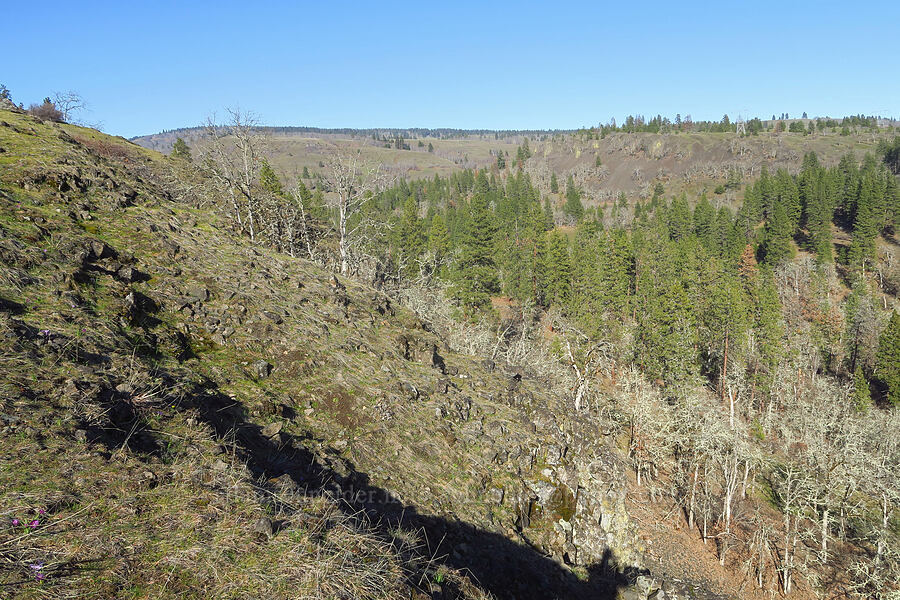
x,y
562,503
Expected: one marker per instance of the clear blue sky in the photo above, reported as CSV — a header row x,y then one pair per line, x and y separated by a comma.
x,y
148,66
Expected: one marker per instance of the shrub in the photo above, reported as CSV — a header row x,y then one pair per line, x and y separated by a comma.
x,y
46,111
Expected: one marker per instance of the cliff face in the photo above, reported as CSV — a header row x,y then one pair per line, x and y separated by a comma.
x,y
186,414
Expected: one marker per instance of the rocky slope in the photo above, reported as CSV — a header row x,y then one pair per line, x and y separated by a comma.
x,y
186,414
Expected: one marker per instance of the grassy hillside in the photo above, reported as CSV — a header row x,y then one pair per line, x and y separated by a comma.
x,y
185,414
630,163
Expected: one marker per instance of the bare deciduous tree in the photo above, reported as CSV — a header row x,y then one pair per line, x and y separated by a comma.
x,y
351,181
232,155
68,103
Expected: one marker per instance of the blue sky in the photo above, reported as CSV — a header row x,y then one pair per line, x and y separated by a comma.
x,y
148,66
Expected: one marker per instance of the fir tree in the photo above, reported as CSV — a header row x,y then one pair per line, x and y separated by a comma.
x,y
558,269
475,276
573,207
549,218
268,180
767,320
865,224
411,239
678,218
554,184
887,361
777,247
439,244
181,150
862,395
704,215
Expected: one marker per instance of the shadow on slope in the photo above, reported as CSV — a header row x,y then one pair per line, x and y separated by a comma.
x,y
498,565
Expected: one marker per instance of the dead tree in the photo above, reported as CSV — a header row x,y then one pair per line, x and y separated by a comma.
x,y
68,103
232,155
351,181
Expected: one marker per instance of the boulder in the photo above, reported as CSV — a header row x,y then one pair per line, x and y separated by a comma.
x,y
261,369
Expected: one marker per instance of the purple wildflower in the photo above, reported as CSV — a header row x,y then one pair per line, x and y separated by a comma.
x,y
37,566
42,512
39,576
16,522
34,524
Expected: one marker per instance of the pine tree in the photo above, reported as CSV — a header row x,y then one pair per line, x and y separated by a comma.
x,y
181,150
586,297
865,224
862,395
549,218
666,333
818,208
268,180
616,271
777,247
887,361
767,321
724,315
439,244
787,194
475,276
704,215
573,207
678,218
411,239
554,183
558,269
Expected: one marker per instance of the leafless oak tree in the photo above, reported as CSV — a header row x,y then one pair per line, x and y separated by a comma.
x,y
232,155
351,181
68,103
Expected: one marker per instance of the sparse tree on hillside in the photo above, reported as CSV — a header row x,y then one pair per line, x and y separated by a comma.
x,y
181,150
351,180
308,212
68,103
233,157
268,180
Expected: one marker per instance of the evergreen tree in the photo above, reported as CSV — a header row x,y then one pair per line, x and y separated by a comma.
x,y
554,183
862,395
865,224
549,219
305,172
558,269
586,302
616,271
777,247
704,215
439,244
475,276
678,218
411,241
666,334
767,320
818,207
887,361
181,150
573,207
268,180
